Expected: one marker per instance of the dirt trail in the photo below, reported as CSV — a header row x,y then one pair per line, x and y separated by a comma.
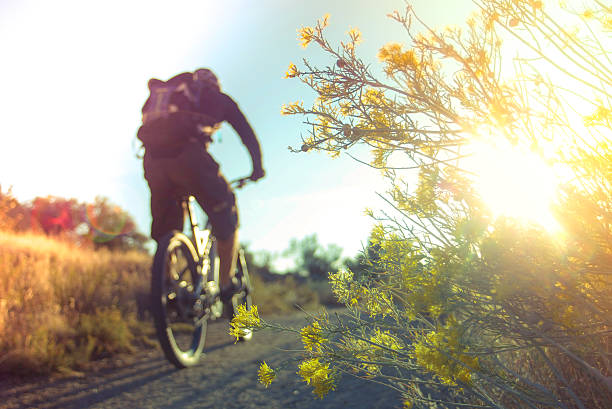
x,y
225,378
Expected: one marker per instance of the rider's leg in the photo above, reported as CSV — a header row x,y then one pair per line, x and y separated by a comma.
x,y
166,213
198,173
227,250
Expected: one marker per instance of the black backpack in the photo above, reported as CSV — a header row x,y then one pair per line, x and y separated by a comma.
x,y
169,116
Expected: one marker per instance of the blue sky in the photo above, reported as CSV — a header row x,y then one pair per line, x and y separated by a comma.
x,y
74,77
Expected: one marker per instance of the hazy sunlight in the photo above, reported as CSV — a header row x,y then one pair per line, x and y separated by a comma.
x,y
514,183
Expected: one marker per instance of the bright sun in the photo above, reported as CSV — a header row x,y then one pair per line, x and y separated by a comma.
x,y
514,183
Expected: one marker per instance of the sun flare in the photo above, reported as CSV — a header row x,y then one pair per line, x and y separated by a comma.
x,y
514,183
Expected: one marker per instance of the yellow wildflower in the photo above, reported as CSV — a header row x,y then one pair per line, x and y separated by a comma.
x,y
441,353
292,71
341,283
385,339
377,302
355,35
601,116
306,35
265,374
318,376
293,108
491,19
324,22
244,321
311,337
396,59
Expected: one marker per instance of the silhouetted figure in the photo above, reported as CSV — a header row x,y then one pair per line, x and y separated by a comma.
x,y
179,118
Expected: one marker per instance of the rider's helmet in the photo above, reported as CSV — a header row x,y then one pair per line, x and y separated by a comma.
x,y
206,78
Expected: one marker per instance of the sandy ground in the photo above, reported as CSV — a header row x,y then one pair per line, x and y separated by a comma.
x,y
225,378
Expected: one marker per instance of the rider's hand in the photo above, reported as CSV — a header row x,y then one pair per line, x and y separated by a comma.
x,y
257,174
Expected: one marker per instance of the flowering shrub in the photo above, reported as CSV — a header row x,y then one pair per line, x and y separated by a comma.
x,y
463,308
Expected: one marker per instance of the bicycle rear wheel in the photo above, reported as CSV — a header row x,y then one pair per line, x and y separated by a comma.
x,y
177,308
244,296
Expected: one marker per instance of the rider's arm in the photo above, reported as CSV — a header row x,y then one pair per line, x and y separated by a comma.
x,y
235,117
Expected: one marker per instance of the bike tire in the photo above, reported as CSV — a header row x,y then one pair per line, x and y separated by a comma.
x,y
245,296
182,344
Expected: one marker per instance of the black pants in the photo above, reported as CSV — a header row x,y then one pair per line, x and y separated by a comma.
x,y
191,172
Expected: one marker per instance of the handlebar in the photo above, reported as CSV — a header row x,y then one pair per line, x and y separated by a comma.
x,y
240,183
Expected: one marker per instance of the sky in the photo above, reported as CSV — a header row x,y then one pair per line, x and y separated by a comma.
x,y
74,77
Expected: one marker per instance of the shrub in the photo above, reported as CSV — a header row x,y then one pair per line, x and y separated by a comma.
x,y
464,308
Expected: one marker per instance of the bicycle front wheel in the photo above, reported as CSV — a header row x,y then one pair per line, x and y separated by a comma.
x,y
177,308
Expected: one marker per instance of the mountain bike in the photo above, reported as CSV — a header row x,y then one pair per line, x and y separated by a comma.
x,y
185,288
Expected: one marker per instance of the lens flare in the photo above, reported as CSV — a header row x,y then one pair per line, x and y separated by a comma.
x,y
107,223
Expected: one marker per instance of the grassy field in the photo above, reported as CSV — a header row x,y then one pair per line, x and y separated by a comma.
x,y
63,306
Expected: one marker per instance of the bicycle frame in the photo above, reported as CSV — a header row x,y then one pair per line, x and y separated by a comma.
x,y
202,239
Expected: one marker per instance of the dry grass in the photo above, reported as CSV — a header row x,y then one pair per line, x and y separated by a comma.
x,y
284,295
62,306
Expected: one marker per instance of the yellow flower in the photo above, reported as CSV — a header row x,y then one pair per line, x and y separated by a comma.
x,y
324,21
311,337
601,116
293,108
385,339
442,354
292,71
318,376
266,374
396,59
355,35
306,35
377,302
244,320
341,283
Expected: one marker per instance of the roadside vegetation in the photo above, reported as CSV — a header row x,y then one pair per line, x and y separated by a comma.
x,y
62,306
460,306
74,284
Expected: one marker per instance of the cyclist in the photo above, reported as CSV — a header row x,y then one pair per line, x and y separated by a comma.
x,y
183,165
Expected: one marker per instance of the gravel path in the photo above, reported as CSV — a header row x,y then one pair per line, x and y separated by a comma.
x,y
225,378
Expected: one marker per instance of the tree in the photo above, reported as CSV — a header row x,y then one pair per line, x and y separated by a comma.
x,y
100,224
11,211
112,227
56,216
312,259
473,310
260,263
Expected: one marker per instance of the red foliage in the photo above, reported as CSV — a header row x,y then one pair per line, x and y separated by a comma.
x,y
55,216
